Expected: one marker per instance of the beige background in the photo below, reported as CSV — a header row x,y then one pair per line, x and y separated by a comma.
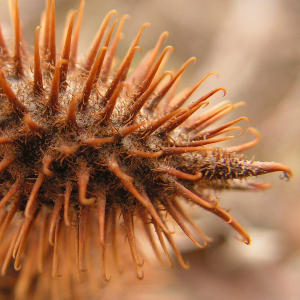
x,y
255,46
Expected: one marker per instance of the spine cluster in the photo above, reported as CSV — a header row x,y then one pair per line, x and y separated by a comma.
x,y
87,150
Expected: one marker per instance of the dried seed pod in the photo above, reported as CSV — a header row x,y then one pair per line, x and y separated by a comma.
x,y
81,144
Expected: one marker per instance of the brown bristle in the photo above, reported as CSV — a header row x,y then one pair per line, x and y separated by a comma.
x,y
75,38
91,80
110,56
18,35
88,152
52,37
95,44
46,29
67,49
10,94
3,47
38,76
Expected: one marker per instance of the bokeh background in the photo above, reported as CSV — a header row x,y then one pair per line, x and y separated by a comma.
x,y
255,47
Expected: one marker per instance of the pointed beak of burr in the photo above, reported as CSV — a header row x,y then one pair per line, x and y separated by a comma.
x,y
268,167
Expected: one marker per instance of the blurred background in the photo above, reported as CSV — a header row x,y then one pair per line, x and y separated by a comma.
x,y
255,47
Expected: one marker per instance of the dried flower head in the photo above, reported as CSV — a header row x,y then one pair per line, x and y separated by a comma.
x,y
85,148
